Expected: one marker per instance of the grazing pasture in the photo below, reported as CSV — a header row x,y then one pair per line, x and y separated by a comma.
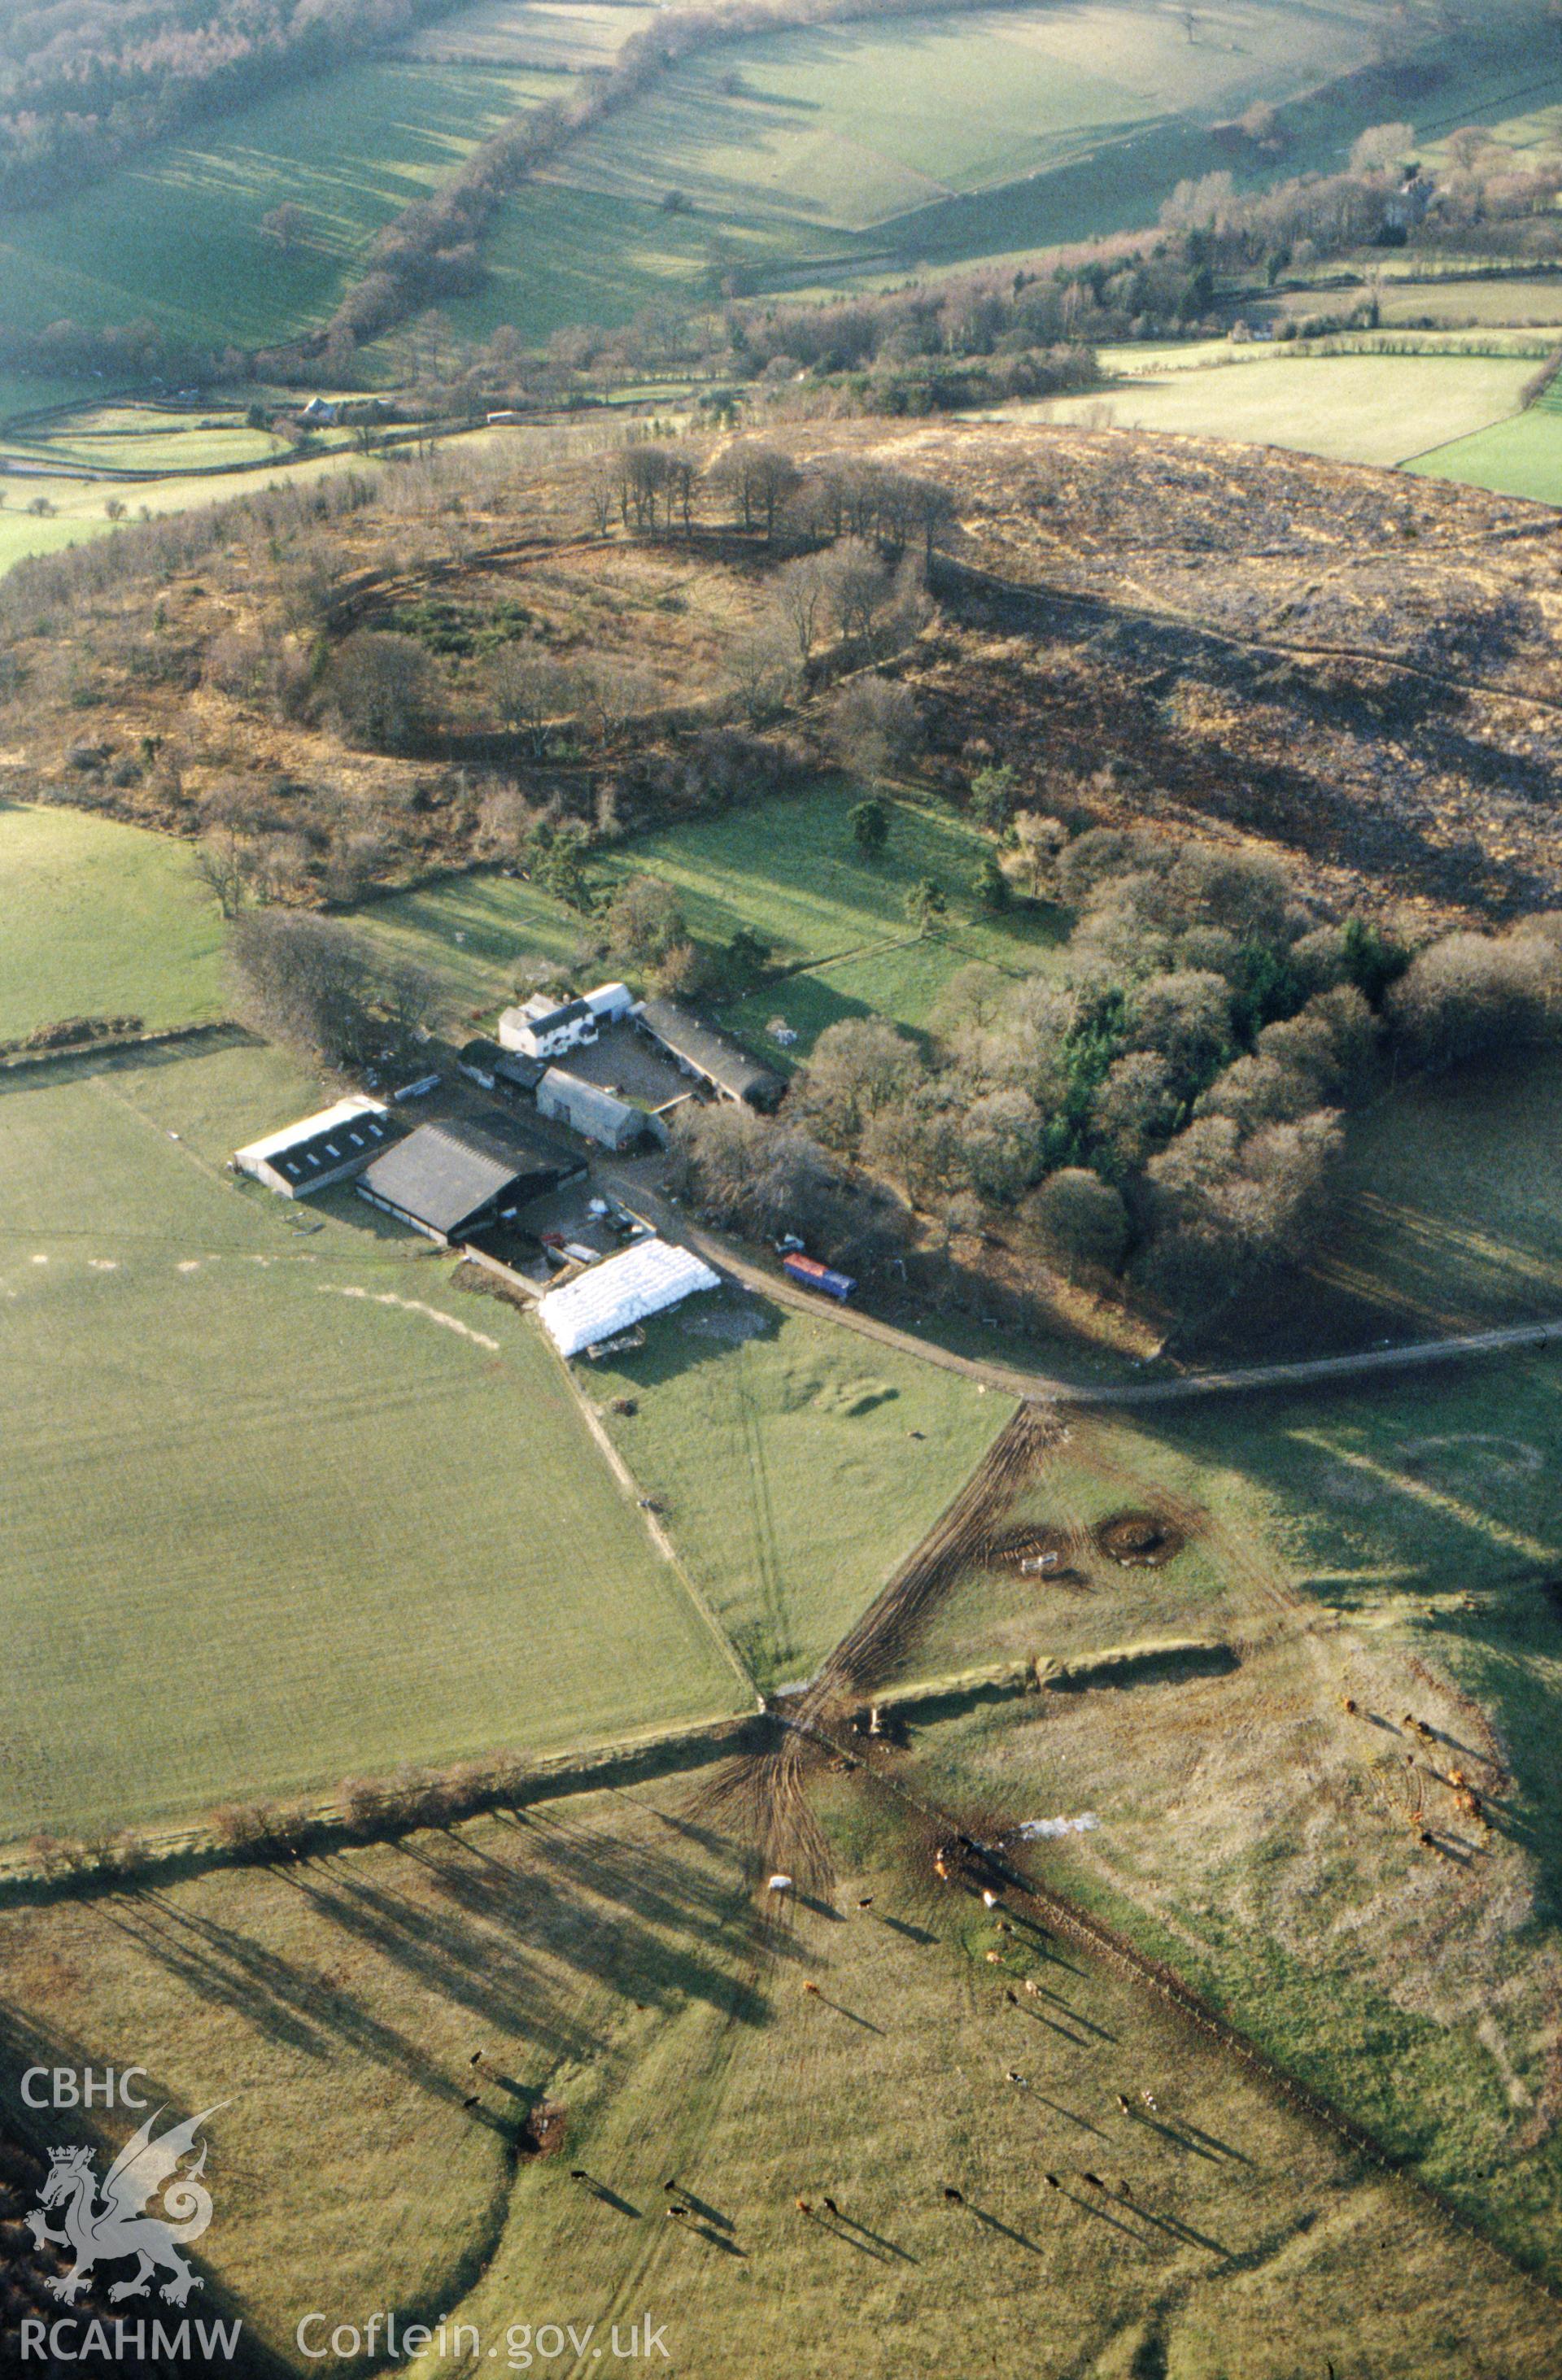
x,y
281,1504
1520,456
1424,293
827,154
147,438
1358,1625
101,920
797,1464
605,1959
1354,409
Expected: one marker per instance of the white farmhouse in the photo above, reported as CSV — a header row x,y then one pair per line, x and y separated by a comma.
x,y
545,1028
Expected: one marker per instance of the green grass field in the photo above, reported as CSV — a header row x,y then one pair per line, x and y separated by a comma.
x,y
789,870
1520,456
564,36
838,149
175,239
1348,408
1429,291
821,157
28,393
281,1506
797,1464
102,920
143,437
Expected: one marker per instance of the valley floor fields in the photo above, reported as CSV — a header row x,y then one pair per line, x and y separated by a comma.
x,y
1353,408
281,1505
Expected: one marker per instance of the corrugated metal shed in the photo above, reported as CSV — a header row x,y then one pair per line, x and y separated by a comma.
x,y
620,1292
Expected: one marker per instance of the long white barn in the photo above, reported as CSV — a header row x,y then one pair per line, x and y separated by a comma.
x,y
620,1292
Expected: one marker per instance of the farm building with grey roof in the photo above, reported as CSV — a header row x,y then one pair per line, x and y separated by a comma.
x,y
701,1050
588,1108
451,1180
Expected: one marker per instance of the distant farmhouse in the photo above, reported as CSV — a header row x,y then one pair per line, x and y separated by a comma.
x,y
453,1180
701,1050
586,1107
1408,207
543,1028
320,1150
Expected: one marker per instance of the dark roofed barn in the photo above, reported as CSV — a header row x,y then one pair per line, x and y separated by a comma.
x,y
487,1063
451,1180
700,1050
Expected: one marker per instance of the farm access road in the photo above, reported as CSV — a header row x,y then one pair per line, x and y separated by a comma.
x,y
1039,1388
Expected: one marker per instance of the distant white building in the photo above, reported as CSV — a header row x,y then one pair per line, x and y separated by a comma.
x,y
621,1290
586,1108
320,1149
544,1026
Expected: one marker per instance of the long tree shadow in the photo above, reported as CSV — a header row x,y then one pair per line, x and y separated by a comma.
x,y
640,1930
655,1887
283,2001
